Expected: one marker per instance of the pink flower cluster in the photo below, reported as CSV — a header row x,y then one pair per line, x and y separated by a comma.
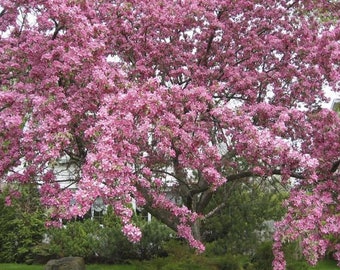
x,y
162,102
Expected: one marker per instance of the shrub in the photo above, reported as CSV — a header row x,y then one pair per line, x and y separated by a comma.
x,y
77,238
264,256
114,246
21,225
241,226
297,265
154,236
181,257
228,262
106,242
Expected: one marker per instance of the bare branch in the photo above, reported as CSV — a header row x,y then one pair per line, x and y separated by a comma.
x,y
69,185
58,27
294,175
2,13
238,176
216,209
6,106
292,4
241,175
335,166
170,174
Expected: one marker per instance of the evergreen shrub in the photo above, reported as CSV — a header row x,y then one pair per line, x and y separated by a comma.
x,y
21,225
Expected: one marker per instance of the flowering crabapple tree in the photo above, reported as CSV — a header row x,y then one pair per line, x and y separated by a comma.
x,y
145,99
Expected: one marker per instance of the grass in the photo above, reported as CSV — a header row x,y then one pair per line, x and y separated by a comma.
x,y
13,266
110,267
324,265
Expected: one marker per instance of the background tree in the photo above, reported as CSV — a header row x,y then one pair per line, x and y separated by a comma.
x,y
149,98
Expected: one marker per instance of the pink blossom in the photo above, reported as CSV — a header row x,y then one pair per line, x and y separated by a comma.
x,y
163,101
132,233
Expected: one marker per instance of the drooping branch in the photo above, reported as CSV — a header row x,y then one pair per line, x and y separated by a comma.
x,y
161,214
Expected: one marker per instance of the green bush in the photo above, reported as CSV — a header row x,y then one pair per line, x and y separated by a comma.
x,y
228,262
106,242
114,246
297,265
217,248
21,225
74,239
239,228
181,257
264,256
177,249
154,235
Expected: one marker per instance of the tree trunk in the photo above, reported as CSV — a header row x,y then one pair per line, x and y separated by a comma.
x,y
196,229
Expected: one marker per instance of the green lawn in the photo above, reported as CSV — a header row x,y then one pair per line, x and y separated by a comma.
x,y
12,266
325,265
111,267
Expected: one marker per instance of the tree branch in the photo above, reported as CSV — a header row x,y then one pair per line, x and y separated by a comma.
x,y
335,166
241,175
216,209
291,5
172,175
295,175
58,27
161,214
6,106
2,13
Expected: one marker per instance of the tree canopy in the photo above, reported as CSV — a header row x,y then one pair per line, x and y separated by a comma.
x,y
149,99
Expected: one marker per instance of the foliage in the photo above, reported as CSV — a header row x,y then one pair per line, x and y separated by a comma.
x,y
154,235
165,101
106,242
114,246
180,256
89,267
228,262
21,225
157,264
325,265
242,224
74,239
264,256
